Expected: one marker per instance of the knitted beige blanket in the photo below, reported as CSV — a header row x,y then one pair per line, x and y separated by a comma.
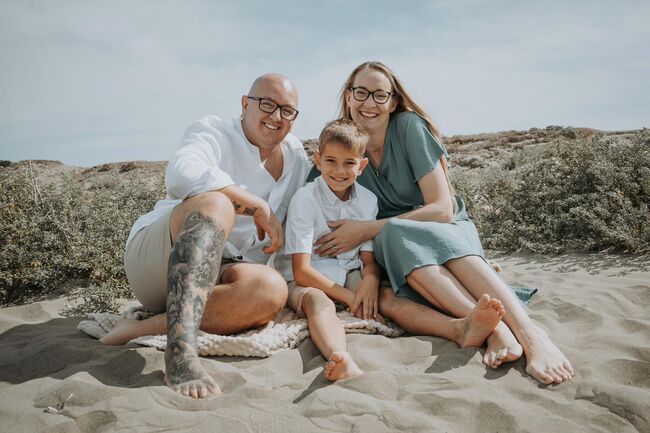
x,y
286,331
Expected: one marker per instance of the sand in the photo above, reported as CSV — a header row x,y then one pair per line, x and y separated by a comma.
x,y
595,306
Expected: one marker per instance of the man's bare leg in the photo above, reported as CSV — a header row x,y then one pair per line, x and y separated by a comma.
x,y
470,331
192,274
544,360
248,296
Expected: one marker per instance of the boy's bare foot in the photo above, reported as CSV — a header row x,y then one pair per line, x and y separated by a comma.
x,y
124,331
544,360
185,374
341,366
481,322
502,346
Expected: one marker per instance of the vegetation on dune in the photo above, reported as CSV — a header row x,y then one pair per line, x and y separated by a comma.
x,y
570,195
585,194
54,233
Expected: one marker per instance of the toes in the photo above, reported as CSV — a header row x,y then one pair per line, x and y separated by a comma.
x,y
194,393
568,367
185,390
488,359
556,377
203,392
483,301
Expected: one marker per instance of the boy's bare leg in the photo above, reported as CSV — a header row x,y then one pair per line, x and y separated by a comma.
x,y
329,336
249,296
470,331
441,288
545,362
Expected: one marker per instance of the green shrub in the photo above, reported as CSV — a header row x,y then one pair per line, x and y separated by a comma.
x,y
56,232
580,195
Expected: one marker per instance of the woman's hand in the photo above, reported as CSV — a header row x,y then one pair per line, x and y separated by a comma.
x,y
348,234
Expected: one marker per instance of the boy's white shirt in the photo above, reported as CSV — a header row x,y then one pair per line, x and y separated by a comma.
x,y
214,154
311,208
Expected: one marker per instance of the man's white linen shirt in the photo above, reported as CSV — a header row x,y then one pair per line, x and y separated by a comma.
x,y
214,154
311,208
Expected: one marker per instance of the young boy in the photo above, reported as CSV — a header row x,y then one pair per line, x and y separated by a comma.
x,y
351,278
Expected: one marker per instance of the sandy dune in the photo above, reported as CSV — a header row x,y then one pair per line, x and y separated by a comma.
x,y
596,306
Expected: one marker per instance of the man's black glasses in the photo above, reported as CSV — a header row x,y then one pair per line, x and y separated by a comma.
x,y
268,106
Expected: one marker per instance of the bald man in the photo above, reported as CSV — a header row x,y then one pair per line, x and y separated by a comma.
x,y
199,258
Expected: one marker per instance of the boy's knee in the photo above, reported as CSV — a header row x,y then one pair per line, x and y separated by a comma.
x,y
316,301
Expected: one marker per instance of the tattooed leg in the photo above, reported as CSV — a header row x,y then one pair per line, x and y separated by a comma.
x,y
193,269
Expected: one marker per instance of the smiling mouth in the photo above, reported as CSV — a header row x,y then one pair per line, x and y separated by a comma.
x,y
271,127
368,115
339,179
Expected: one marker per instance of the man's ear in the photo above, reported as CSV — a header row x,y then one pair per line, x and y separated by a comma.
x,y
363,165
317,160
244,104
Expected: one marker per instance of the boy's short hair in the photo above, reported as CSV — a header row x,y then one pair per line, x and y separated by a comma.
x,y
347,132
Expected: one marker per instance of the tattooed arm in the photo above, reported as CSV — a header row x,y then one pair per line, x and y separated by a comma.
x,y
265,220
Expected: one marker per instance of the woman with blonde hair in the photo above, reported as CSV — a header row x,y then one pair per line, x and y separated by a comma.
x,y
423,237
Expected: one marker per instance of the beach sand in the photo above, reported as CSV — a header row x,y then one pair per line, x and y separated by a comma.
x,y
596,307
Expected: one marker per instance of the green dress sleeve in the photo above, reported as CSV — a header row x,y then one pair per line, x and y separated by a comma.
x,y
422,149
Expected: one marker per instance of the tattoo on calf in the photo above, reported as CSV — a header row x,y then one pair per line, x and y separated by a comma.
x,y
192,273
249,211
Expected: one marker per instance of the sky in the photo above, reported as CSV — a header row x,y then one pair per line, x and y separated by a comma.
x,y
88,81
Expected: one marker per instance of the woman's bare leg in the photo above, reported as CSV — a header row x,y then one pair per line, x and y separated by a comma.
x,y
545,361
470,331
441,288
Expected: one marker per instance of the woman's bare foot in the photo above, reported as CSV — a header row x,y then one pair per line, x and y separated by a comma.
x,y
502,346
341,366
481,322
544,360
185,374
124,331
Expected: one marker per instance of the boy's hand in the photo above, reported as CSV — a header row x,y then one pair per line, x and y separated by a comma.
x,y
365,305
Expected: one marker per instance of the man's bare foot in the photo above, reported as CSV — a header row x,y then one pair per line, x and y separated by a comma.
x,y
544,360
502,346
185,374
341,366
124,331
481,322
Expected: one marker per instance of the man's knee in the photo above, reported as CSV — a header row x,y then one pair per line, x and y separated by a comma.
x,y
271,294
212,204
316,301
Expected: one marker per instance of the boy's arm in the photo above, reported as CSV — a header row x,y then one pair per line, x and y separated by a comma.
x,y
305,275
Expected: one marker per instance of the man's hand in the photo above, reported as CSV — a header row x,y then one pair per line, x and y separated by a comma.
x,y
267,223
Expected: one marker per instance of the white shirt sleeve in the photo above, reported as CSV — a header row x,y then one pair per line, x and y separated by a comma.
x,y
299,230
194,168
367,245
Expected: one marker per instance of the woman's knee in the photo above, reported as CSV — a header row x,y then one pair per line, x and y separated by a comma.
x,y
316,301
